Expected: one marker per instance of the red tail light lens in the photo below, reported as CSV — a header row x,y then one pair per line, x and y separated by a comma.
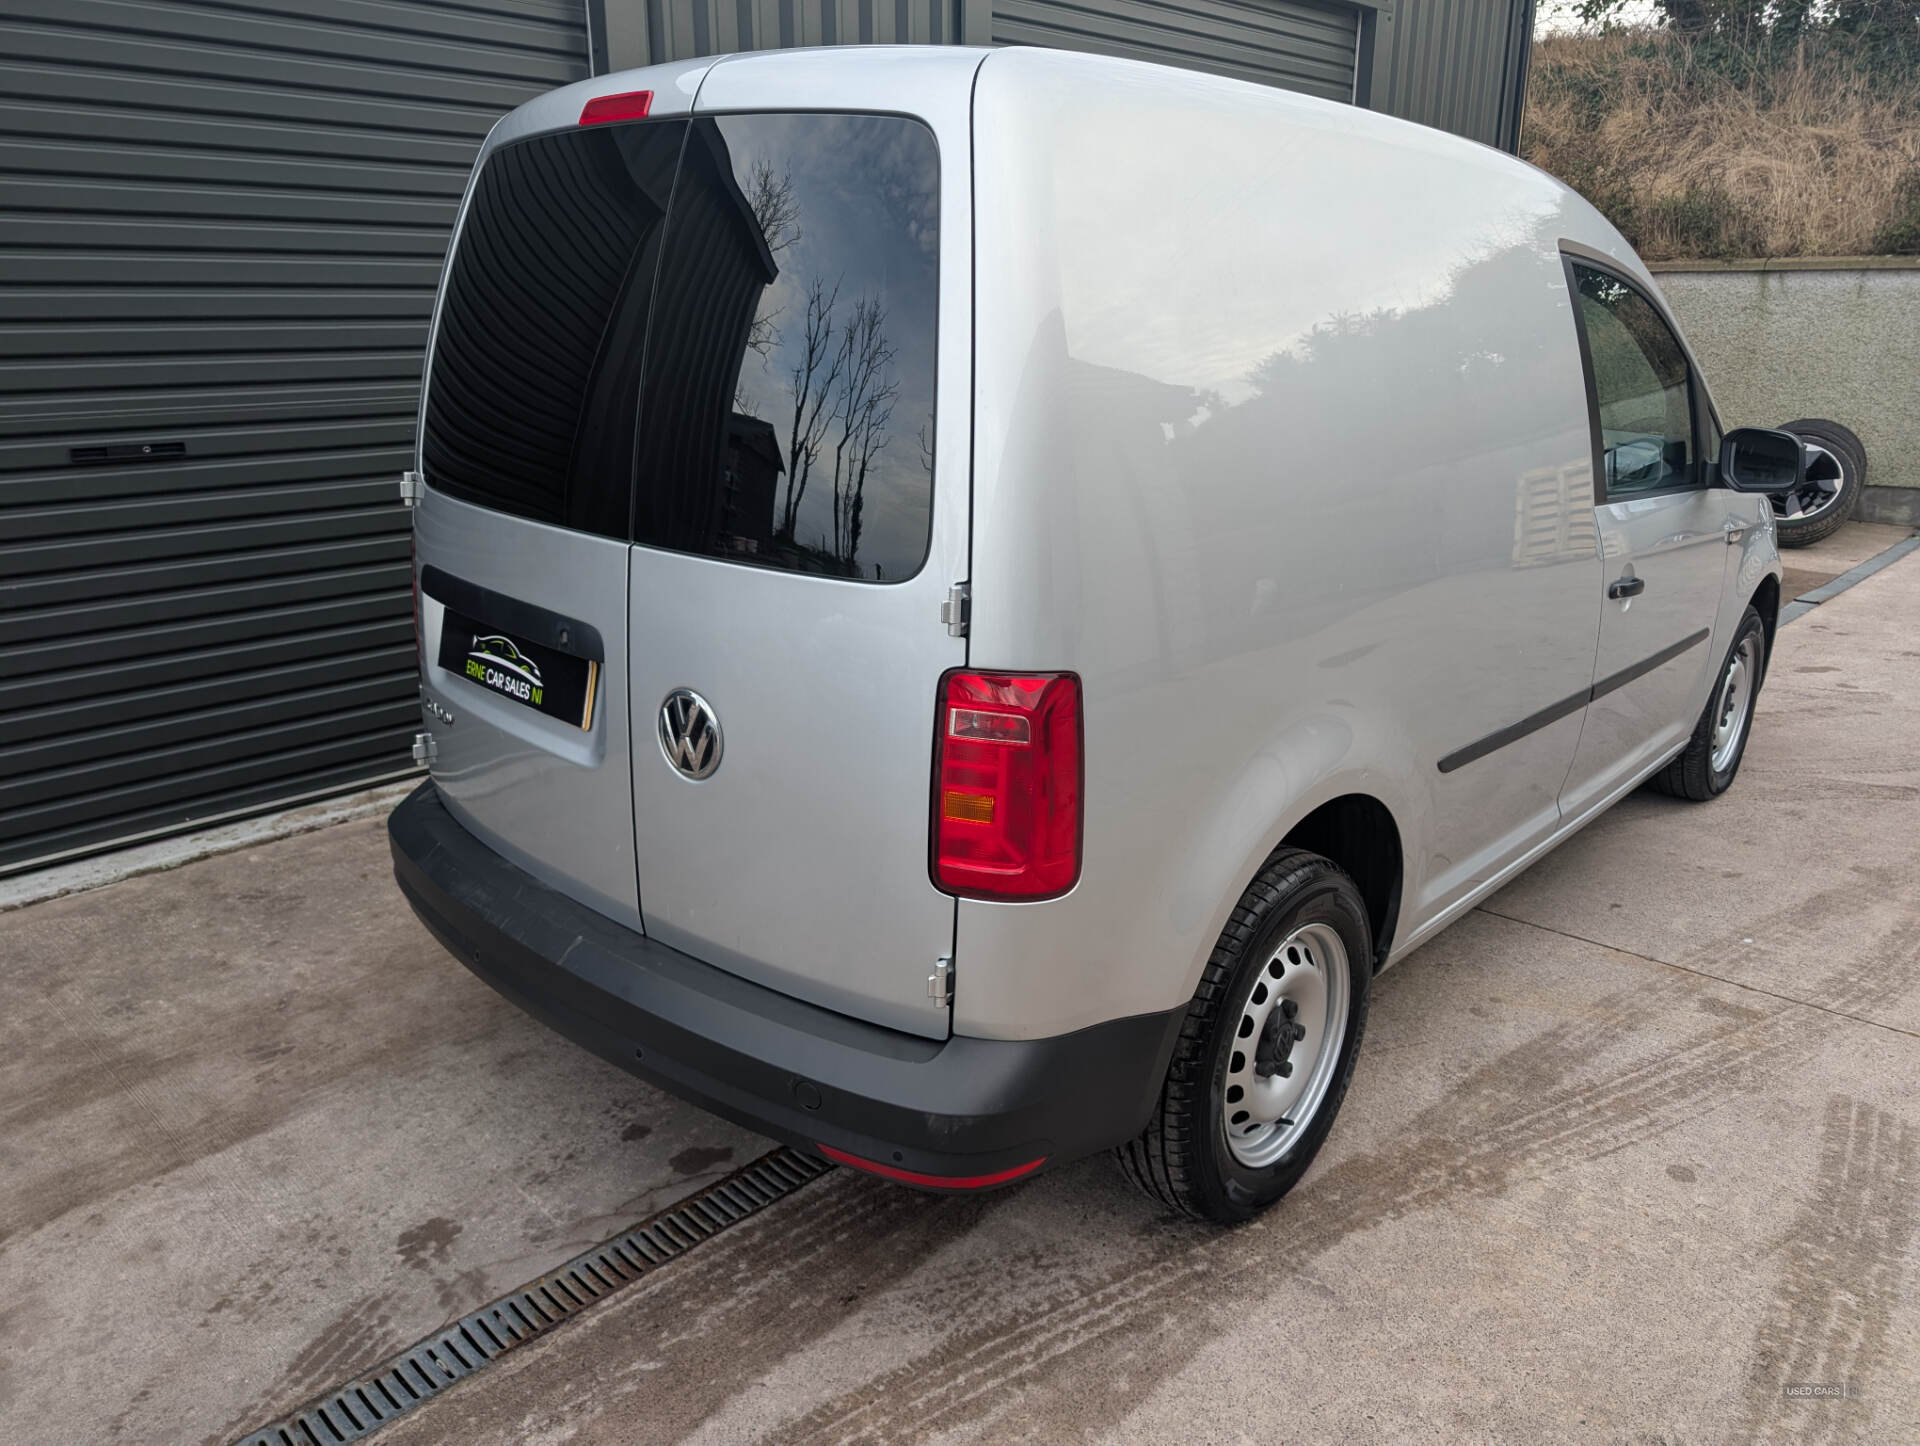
x,y
1006,790
630,105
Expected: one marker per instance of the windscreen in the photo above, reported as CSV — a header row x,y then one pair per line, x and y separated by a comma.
x,y
775,278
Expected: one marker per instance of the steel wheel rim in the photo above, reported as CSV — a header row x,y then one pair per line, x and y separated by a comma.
x,y
1733,702
1825,485
1264,1117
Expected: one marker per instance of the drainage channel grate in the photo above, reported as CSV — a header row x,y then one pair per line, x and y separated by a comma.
x,y
423,1371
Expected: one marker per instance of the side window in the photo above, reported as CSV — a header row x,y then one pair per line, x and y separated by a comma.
x,y
1641,395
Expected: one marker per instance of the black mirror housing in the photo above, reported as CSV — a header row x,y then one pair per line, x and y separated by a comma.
x,y
1760,459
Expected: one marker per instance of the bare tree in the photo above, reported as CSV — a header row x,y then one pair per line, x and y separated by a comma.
x,y
870,438
776,210
865,406
814,378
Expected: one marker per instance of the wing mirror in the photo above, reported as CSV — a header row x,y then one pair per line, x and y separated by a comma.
x,y
1759,459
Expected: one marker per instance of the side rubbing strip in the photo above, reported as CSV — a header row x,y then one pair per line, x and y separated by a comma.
x,y
1553,713
1514,732
1647,665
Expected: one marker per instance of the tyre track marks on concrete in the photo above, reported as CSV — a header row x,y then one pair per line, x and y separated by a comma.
x,y
778,1283
1844,1261
1555,1101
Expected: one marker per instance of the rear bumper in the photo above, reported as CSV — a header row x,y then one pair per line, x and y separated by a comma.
x,y
954,1113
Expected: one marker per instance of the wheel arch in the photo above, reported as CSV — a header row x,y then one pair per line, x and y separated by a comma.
x,y
1357,832
1766,602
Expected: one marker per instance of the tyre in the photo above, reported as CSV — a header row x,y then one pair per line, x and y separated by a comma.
x,y
1712,757
1267,1048
1836,471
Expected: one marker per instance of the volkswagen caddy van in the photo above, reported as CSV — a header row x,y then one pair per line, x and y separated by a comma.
x,y
969,601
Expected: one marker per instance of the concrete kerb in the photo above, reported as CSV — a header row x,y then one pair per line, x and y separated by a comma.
x,y
1827,592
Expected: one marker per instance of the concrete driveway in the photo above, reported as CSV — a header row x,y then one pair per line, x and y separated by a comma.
x,y
1631,1150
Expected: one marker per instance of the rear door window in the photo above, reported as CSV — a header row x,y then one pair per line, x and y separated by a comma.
x,y
787,415
536,366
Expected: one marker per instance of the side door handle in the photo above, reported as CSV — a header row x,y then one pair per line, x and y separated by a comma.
x,y
1622,587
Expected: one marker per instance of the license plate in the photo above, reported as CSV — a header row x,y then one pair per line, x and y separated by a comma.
x,y
537,677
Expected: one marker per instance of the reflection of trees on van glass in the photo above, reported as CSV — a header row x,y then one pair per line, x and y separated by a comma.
x,y
804,365
770,197
843,389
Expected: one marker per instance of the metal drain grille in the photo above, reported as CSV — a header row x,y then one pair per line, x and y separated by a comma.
x,y
421,1372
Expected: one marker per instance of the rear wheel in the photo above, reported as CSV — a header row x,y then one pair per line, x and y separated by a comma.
x,y
1712,757
1267,1049
1836,471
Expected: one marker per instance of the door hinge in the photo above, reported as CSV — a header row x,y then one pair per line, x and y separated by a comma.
x,y
425,750
940,982
411,485
957,610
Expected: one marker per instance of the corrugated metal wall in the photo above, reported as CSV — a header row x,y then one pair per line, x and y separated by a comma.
x,y
684,29
1302,47
220,229
1299,45
1459,65
1456,64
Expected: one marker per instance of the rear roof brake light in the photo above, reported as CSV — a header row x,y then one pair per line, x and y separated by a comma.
x,y
628,105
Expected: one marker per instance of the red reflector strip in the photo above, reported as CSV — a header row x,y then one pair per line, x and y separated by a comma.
x,y
938,1182
630,105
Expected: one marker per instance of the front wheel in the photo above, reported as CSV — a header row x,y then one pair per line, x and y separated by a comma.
x,y
1267,1048
1712,757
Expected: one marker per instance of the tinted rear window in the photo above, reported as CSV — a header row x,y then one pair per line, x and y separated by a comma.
x,y
787,418
536,367
784,304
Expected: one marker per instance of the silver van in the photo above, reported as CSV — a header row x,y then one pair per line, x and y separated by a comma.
x,y
970,600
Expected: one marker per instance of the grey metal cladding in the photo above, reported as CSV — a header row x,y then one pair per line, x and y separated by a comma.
x,y
221,226
1298,46
1459,65
687,29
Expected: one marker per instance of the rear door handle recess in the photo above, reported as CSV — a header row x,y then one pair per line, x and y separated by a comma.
x,y
1626,587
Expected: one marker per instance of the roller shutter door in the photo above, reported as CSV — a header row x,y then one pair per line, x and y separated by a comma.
x,y
1303,47
221,223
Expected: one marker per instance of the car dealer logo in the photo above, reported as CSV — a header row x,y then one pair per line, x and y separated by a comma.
x,y
690,734
496,662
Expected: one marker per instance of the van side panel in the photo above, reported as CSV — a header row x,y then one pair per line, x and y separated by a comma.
x,y
1281,443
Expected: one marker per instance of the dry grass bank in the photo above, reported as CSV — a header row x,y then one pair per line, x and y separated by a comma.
x,y
1702,148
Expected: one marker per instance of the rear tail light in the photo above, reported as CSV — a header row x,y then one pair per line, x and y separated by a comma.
x,y
628,105
1006,790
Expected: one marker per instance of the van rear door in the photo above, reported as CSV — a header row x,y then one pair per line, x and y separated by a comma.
x,y
526,443
801,513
